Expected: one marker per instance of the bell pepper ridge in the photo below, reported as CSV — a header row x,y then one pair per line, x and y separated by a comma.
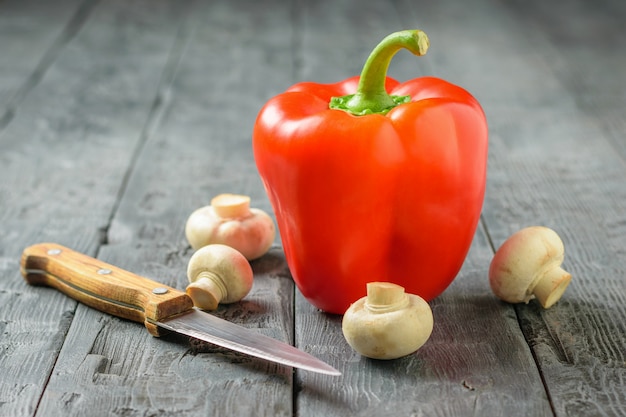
x,y
371,96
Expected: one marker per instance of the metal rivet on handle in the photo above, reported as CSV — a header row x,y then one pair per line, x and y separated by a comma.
x,y
159,290
54,251
104,271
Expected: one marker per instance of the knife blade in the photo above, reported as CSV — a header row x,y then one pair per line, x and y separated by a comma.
x,y
159,307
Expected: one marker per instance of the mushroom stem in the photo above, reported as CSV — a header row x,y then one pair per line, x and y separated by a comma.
x,y
207,291
231,206
551,286
383,297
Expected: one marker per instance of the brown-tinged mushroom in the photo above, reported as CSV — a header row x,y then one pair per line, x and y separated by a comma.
x,y
528,265
230,221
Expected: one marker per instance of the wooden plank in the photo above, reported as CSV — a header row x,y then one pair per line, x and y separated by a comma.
x,y
64,158
578,191
477,361
196,146
31,36
555,160
555,105
585,46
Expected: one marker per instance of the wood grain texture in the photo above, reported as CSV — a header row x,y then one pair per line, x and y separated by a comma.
x,y
194,147
475,363
64,156
476,345
31,37
555,161
112,366
119,118
32,331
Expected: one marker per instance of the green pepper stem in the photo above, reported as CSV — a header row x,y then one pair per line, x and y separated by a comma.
x,y
371,96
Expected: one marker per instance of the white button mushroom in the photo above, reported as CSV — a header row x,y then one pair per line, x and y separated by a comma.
x,y
218,274
229,220
388,323
528,265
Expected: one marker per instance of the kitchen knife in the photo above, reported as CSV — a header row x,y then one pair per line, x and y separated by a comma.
x,y
161,308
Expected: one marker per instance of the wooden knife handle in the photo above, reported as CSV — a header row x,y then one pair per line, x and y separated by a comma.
x,y
103,286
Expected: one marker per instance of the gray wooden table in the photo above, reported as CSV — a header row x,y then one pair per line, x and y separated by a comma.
x,y
119,118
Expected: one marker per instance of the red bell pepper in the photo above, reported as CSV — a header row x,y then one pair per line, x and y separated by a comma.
x,y
374,180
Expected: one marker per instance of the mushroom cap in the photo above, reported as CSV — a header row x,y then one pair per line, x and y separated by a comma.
x,y
522,260
251,234
389,334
